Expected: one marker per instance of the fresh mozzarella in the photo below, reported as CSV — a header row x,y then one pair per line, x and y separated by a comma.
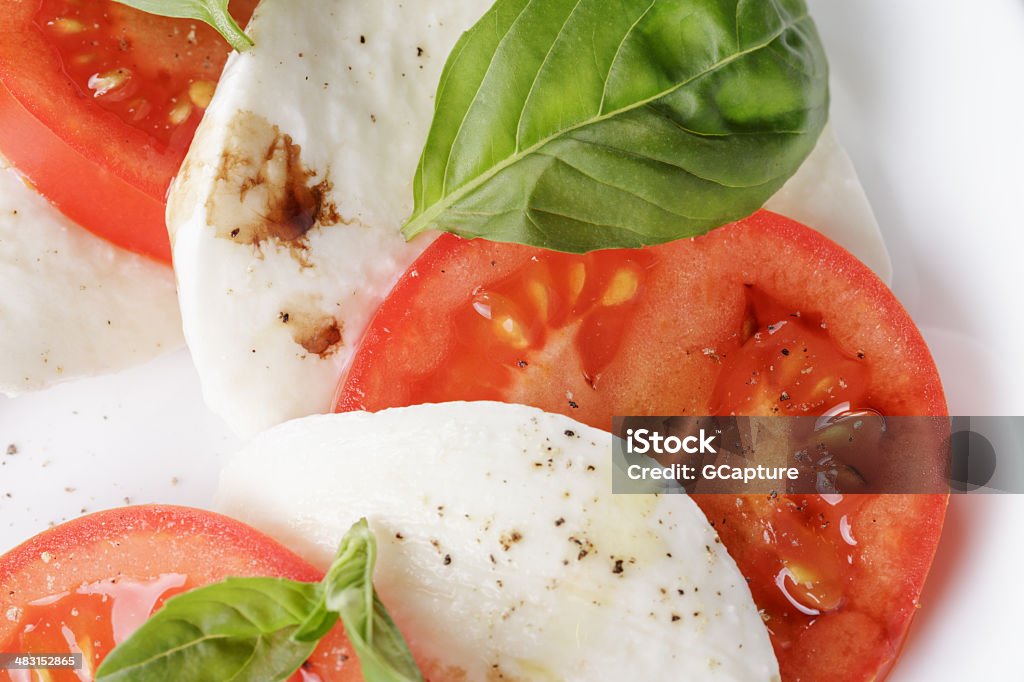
x,y
285,219
341,94
502,552
72,305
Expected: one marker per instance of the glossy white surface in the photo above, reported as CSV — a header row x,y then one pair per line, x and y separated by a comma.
x,y
929,111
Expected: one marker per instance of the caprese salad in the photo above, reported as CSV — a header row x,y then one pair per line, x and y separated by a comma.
x,y
619,208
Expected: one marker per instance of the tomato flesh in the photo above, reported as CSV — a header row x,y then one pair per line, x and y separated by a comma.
x,y
98,105
761,317
85,586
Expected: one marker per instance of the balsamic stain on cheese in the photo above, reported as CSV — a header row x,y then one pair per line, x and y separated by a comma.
x,y
316,332
264,193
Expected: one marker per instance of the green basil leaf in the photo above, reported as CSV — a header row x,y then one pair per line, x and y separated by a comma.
x,y
382,651
578,125
319,622
263,629
239,629
212,12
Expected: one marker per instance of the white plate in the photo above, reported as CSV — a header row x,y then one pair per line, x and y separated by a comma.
x,y
929,99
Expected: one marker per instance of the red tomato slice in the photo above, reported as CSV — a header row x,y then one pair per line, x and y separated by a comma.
x,y
88,584
764,316
98,105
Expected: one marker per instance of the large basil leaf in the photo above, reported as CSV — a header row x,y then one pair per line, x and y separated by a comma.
x,y
239,629
579,125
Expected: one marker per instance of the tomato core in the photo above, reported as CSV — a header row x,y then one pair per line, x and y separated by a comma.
x,y
784,361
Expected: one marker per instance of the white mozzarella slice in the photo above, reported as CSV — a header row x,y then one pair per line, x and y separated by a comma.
x,y
341,93
71,304
330,110
502,552
826,194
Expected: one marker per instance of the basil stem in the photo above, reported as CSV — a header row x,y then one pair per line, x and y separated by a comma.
x,y
212,12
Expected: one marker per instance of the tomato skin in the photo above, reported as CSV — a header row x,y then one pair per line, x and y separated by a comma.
x,y
141,543
101,171
105,204
415,350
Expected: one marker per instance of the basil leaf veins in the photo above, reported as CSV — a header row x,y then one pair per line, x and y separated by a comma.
x,y
212,12
579,125
263,629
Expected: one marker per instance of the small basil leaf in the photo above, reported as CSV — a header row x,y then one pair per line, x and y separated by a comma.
x,y
212,12
578,125
239,629
348,588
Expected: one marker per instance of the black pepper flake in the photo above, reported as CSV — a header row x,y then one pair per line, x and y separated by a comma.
x,y
585,546
235,232
362,40
675,618
509,539
860,355
522,364
285,317
574,405
785,351
569,433
617,569
784,397
419,51
559,522
447,559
